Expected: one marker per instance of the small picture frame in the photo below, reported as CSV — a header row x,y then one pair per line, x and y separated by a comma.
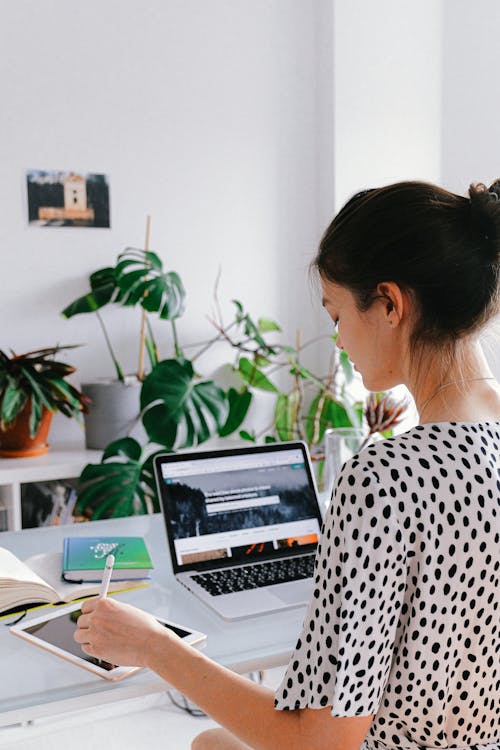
x,y
67,199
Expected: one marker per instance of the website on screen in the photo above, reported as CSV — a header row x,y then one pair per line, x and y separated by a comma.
x,y
239,507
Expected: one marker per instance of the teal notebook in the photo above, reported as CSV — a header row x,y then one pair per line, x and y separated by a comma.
x,y
84,558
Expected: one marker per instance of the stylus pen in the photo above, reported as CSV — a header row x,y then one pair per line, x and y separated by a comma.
x,y
106,578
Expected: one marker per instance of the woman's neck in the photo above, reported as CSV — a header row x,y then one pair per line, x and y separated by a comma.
x,y
466,392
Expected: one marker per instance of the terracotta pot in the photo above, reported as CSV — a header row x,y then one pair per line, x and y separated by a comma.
x,y
15,442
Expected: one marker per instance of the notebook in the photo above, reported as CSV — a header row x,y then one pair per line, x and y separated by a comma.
x,y
242,525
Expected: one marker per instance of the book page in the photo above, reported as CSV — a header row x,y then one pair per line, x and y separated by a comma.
x,y
49,568
18,582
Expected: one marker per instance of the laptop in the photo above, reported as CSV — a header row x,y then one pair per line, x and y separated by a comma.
x,y
243,525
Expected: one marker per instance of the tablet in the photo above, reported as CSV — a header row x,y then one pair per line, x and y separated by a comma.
x,y
54,632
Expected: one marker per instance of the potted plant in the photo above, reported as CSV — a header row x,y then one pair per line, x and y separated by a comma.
x,y
137,279
32,387
180,409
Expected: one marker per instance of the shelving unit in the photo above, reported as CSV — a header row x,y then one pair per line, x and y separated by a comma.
x,y
57,463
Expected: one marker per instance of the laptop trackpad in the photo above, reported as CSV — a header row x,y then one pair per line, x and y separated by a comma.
x,y
294,592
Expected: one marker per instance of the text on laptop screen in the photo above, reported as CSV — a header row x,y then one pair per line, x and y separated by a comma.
x,y
239,506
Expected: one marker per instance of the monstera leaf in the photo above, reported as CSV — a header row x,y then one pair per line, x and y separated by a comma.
x,y
103,289
121,485
141,279
178,410
239,403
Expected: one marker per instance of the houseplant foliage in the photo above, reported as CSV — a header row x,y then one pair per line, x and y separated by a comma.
x,y
34,383
181,408
137,278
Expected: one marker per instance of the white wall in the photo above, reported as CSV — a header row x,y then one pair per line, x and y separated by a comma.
x,y
471,93
203,114
471,108
387,93
386,101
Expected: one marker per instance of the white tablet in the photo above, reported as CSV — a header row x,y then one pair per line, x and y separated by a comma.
x,y
54,632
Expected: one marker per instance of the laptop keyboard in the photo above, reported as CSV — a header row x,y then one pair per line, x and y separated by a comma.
x,y
254,576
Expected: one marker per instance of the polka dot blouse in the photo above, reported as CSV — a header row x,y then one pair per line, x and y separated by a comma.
x,y
404,621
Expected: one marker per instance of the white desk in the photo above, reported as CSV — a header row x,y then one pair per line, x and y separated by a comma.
x,y
34,683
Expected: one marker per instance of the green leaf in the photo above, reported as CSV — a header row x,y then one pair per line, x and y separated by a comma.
x,y
124,447
270,439
285,415
254,377
245,435
36,376
262,361
153,259
179,411
302,372
110,490
346,365
35,416
13,401
252,331
238,408
141,279
337,414
266,324
151,350
238,305
119,485
332,414
103,290
39,390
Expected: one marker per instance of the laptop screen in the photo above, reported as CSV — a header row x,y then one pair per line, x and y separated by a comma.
x,y
229,506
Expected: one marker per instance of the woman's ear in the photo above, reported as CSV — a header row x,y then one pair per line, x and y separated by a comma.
x,y
394,302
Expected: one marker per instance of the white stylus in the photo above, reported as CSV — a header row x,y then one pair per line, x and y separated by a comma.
x,y
108,570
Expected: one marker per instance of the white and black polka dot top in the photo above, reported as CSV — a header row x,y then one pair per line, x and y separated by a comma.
x,y
404,622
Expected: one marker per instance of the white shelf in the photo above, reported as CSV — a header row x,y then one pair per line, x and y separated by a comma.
x,y
57,463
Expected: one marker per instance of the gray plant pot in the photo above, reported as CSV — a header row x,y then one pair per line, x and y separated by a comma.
x,y
113,413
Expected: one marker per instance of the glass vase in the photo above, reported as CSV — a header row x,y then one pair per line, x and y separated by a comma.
x,y
341,444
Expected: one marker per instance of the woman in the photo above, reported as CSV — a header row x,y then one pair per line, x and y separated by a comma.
x,y
400,645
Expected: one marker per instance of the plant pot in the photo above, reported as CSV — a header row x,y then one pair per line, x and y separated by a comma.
x,y
15,441
114,412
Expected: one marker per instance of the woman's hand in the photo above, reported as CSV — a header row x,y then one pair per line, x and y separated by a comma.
x,y
119,633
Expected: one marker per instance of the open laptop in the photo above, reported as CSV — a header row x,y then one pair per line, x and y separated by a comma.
x,y
242,524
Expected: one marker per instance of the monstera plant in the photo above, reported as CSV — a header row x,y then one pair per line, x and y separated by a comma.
x,y
181,408
137,279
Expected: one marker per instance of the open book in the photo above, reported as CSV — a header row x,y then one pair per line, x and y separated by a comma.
x,y
38,581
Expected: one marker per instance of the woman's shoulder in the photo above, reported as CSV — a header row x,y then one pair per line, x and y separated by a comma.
x,y
424,445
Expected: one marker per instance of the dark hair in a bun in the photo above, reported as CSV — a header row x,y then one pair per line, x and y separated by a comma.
x,y
485,211
441,247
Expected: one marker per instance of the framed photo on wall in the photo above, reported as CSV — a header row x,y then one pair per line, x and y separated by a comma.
x,y
67,199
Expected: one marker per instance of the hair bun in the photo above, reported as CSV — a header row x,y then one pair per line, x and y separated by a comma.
x,y
485,214
494,190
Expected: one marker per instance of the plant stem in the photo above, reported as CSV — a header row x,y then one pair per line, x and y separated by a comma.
x,y
152,349
297,408
119,371
178,350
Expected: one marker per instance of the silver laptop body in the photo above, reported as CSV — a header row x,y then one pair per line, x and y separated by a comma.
x,y
241,523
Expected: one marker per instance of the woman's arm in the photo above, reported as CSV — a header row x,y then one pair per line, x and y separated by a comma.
x,y
122,634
